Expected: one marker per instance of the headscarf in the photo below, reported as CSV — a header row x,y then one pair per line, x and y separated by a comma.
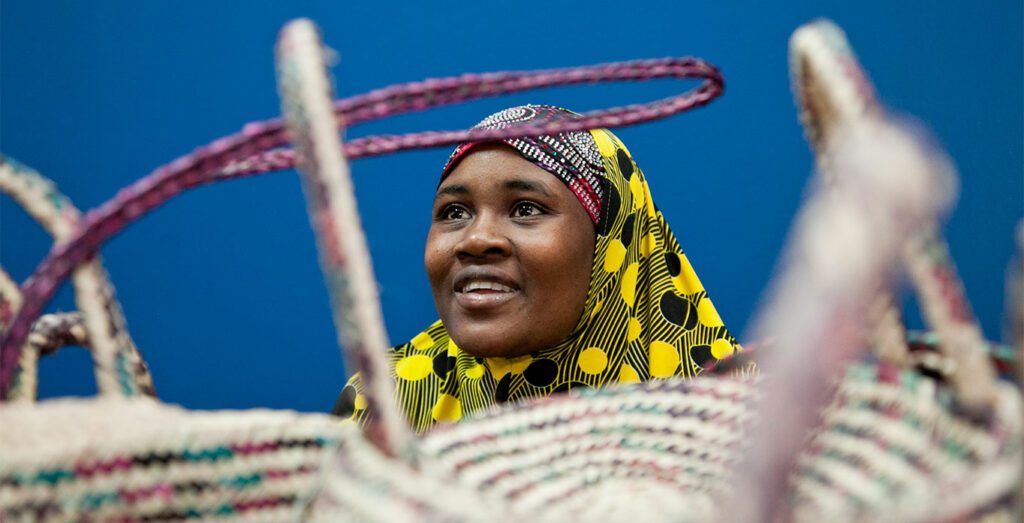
x,y
646,315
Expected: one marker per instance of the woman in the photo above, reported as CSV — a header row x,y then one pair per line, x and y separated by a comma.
x,y
551,269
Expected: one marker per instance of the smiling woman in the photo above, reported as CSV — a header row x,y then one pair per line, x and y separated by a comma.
x,y
552,269
509,255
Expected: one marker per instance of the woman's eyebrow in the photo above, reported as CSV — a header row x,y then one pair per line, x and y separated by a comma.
x,y
526,185
452,190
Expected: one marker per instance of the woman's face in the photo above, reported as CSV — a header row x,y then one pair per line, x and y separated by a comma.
x,y
508,255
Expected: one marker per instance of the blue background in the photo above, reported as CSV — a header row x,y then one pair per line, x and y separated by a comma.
x,y
221,286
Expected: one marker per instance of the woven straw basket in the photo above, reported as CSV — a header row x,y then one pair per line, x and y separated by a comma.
x,y
124,456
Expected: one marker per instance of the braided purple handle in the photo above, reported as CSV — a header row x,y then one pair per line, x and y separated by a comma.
x,y
253,151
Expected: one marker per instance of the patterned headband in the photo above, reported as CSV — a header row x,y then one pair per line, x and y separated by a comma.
x,y
572,157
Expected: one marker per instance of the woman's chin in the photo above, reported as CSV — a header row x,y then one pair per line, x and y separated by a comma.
x,y
483,341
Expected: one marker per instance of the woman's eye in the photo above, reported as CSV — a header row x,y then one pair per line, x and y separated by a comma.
x,y
524,209
453,212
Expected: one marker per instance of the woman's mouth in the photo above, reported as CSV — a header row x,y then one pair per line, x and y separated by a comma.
x,y
483,292
486,286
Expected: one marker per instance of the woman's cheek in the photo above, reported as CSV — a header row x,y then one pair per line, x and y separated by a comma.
x,y
437,257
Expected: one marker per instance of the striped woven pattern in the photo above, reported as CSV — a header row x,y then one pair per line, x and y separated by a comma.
x,y
890,444
894,445
138,460
662,449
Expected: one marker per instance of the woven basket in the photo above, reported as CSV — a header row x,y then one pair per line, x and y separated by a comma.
x,y
113,459
124,456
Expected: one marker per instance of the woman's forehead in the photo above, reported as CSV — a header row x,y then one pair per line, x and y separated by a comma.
x,y
576,159
499,166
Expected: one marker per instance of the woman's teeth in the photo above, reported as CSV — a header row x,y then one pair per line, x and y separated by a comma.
x,y
486,286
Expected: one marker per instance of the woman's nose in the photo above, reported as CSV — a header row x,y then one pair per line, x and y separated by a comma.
x,y
484,238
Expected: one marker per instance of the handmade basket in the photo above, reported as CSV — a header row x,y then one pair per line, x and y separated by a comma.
x,y
124,456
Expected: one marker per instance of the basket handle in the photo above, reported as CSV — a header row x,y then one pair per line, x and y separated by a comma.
x,y
843,249
118,364
831,88
50,333
306,92
832,91
1015,305
254,150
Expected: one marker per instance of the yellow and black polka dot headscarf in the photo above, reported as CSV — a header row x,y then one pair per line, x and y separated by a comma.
x,y
646,316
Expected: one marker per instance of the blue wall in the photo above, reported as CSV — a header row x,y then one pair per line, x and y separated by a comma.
x,y
221,286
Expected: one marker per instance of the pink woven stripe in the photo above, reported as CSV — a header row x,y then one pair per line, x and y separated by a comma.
x,y
161,490
119,463
253,151
248,448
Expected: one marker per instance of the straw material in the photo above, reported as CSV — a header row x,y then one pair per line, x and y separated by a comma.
x,y
895,446
833,92
117,459
306,94
891,447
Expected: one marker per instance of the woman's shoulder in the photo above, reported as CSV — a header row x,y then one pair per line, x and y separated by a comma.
x,y
351,399
351,403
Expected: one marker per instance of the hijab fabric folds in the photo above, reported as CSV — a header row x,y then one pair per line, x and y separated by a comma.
x,y
646,316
